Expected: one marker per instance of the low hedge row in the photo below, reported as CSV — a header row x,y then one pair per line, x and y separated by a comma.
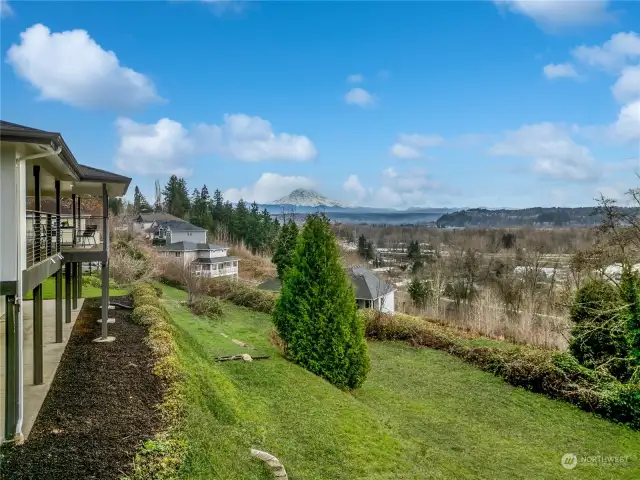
x,y
555,374
242,294
161,457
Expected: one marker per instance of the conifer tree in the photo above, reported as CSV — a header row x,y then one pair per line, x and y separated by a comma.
x,y
285,249
140,204
316,312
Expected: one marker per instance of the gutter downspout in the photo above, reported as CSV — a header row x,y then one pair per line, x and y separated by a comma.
x,y
21,254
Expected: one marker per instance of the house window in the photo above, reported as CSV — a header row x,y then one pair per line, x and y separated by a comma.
x,y
188,234
177,254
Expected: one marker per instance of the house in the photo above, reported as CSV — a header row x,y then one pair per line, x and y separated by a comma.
x,y
206,259
143,221
175,231
371,292
36,245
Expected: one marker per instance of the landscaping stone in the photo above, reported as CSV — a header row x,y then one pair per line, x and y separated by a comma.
x,y
272,462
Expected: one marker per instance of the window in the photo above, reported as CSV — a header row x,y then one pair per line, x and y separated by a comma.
x,y
188,234
177,254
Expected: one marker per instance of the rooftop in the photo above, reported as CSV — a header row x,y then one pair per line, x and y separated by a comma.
x,y
191,247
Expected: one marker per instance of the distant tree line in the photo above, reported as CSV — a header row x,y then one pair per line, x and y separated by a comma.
x,y
243,223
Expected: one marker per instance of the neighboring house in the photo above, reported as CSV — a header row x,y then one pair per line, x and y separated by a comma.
x,y
142,222
174,231
371,292
206,259
36,245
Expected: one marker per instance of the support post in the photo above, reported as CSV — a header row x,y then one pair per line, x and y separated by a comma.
x,y
37,291
59,272
11,374
74,286
67,293
73,214
79,284
104,334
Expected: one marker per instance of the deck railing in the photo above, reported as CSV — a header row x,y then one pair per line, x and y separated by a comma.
x,y
85,231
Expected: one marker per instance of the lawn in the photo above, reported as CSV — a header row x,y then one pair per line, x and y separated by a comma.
x,y
49,291
421,414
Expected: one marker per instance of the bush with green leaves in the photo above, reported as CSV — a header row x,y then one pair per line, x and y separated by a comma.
x,y
207,306
600,335
316,313
285,248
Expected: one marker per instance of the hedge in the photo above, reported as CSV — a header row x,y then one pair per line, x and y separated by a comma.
x,y
161,457
557,375
242,294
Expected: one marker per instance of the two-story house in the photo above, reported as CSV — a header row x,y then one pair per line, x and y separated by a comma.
x,y
36,245
205,259
174,231
143,221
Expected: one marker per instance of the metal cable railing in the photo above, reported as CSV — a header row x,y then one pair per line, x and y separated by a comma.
x,y
43,240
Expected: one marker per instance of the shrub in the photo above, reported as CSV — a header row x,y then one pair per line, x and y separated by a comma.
x,y
148,314
285,248
316,313
242,294
599,332
206,306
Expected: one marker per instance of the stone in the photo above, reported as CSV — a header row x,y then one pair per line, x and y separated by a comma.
x,y
277,469
246,357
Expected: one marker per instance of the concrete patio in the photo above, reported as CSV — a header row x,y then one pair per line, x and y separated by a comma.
x,y
34,395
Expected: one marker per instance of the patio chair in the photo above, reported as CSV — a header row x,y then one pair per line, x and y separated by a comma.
x,y
89,233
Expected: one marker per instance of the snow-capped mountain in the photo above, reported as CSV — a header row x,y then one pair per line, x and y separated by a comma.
x,y
302,197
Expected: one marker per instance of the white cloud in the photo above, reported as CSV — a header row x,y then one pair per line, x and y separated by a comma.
x,y
159,148
411,146
268,188
554,14
251,139
613,55
359,96
72,68
553,151
355,78
627,87
560,70
413,187
353,184
5,9
627,127
220,7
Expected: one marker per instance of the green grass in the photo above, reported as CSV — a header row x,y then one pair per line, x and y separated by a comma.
x,y
421,414
49,291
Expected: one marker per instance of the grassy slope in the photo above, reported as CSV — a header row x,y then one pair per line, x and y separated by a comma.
x,y
420,414
49,291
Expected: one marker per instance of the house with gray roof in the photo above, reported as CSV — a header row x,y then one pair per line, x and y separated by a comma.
x,y
143,221
174,231
371,292
206,259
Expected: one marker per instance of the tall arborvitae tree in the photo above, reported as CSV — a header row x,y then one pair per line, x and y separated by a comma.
x,y
362,246
316,312
140,204
285,248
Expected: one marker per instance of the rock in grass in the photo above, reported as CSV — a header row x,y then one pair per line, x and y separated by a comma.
x,y
272,462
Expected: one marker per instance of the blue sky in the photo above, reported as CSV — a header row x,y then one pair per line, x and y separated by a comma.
x,y
478,103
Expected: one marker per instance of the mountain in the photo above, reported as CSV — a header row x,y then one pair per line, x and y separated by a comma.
x,y
302,197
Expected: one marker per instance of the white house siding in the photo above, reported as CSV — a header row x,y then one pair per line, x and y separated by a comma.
x,y
188,236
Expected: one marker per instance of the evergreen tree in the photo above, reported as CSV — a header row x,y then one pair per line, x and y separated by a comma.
x,y
285,249
413,251
362,246
217,213
115,206
176,197
316,312
370,252
140,204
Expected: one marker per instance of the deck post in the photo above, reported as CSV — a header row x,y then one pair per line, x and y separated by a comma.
x,y
59,272
104,333
74,286
67,292
37,291
11,374
73,214
79,284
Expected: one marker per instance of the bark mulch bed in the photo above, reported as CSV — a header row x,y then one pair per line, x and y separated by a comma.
x,y
101,407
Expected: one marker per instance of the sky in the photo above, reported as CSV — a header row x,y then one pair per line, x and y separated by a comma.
x,y
504,103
